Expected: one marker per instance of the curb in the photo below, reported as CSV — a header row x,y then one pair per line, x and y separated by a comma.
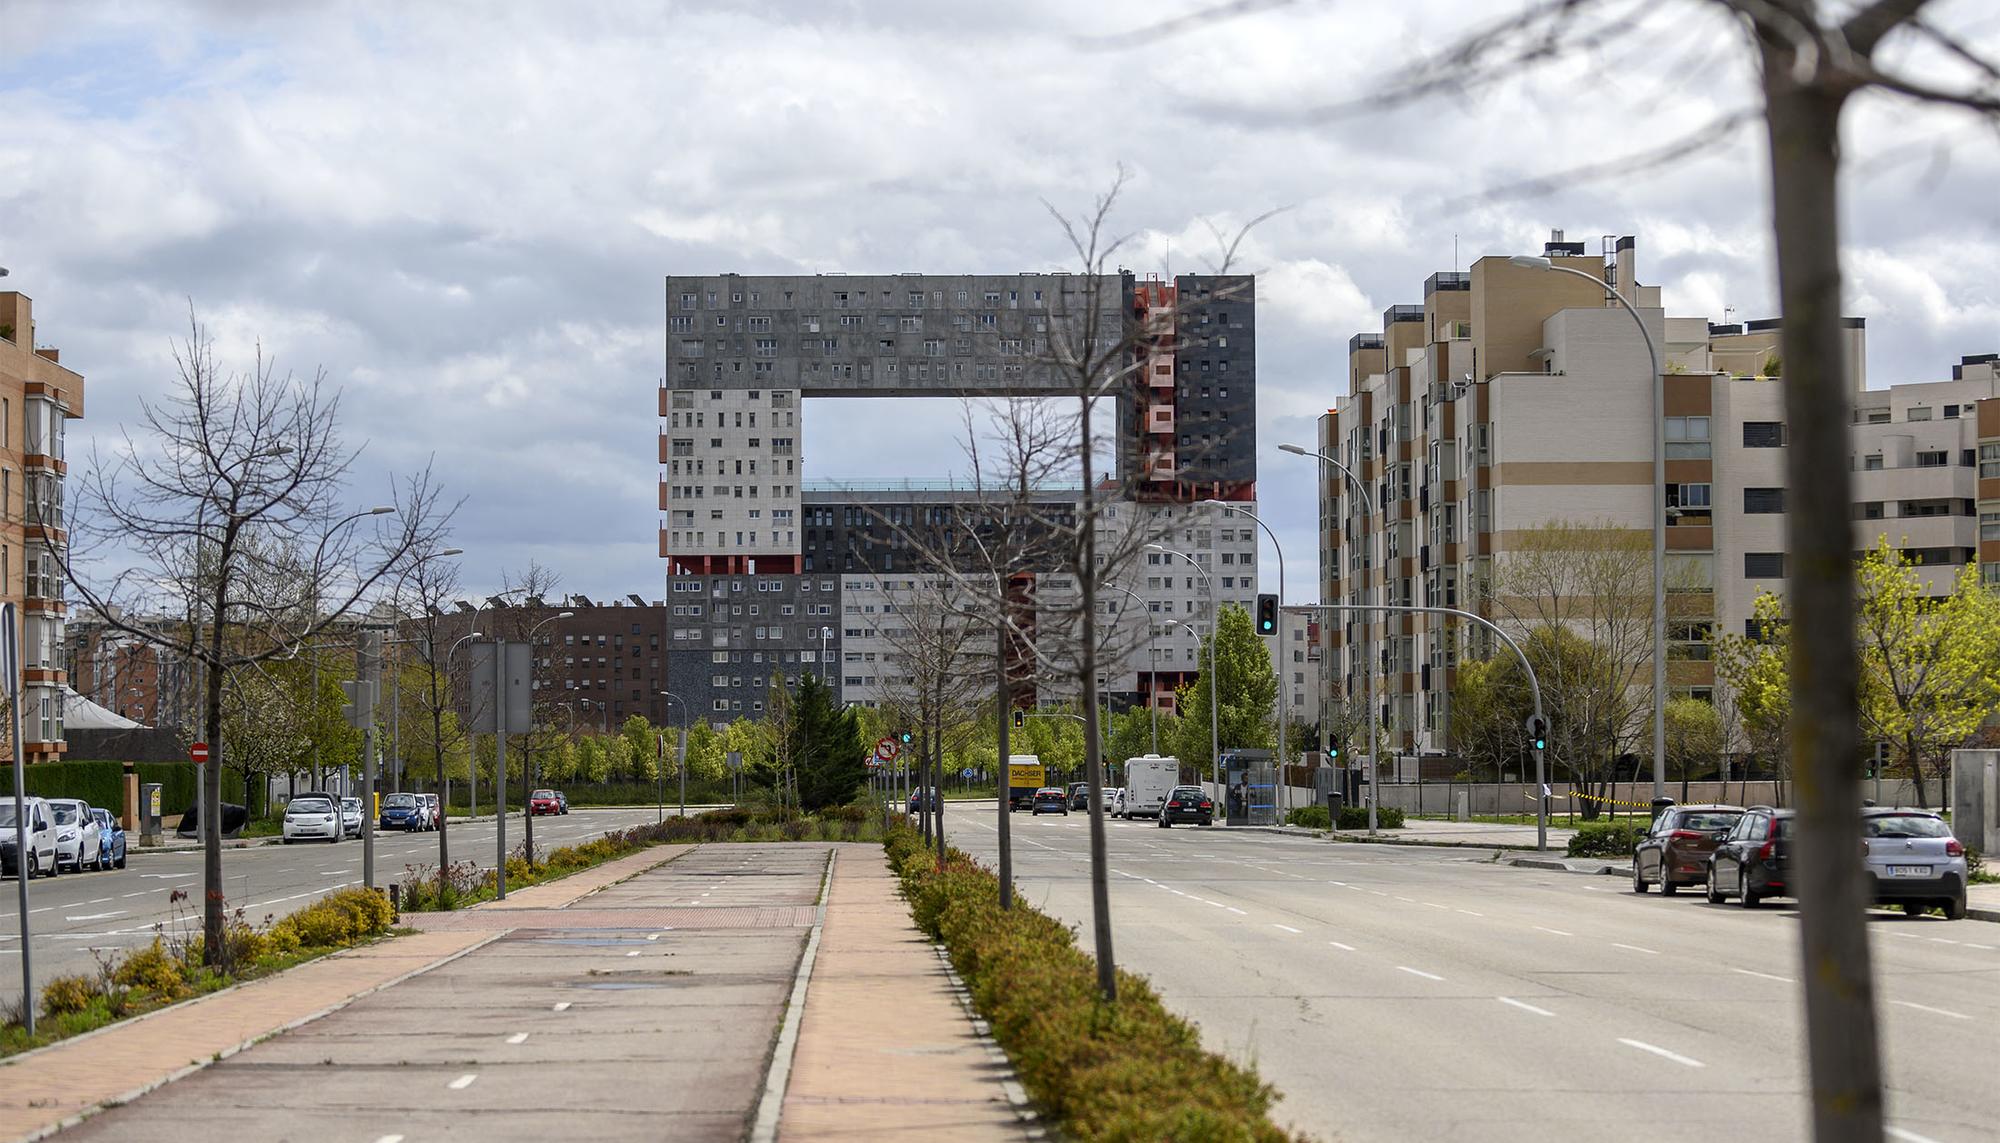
x,y
1010,1082
771,1104
180,1073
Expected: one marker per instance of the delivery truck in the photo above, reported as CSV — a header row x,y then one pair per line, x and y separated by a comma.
x,y
1025,775
1148,780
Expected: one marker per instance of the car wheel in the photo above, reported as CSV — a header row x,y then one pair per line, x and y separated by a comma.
x,y
1915,908
34,869
121,861
287,840
1954,908
1667,886
1714,888
1638,878
1744,896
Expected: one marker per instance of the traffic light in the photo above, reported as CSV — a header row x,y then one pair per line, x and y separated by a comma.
x,y
1267,615
1333,749
906,737
1538,732
1020,718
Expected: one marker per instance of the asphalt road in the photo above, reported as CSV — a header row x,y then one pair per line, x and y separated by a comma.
x,y
1394,993
76,916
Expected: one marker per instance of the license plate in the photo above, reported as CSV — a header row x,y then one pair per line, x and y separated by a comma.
x,y
1909,871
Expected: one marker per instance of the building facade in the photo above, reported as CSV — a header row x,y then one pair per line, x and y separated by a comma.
x,y
1513,398
37,396
744,525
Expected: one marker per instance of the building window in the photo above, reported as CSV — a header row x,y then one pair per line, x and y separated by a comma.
x,y
1763,501
1989,461
1763,565
1763,434
1687,438
1989,525
1938,458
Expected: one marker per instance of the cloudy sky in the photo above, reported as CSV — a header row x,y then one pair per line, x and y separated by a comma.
x,y
462,211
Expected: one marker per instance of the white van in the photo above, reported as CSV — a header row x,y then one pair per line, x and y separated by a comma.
x,y
1148,779
41,860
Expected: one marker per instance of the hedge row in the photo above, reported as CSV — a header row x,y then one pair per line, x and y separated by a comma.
x,y
1128,1071
102,783
1351,817
1607,839
584,793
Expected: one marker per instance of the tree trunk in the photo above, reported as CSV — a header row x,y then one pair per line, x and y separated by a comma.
x,y
214,949
1916,770
1804,125
1093,757
437,751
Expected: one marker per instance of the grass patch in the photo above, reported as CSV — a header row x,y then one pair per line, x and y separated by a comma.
x,y
1127,1072
425,888
170,970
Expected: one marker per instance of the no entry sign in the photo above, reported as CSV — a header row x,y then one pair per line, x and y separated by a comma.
x,y
198,752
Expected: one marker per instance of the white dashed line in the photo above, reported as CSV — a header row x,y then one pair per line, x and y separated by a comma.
x,y
518,1038
463,1082
390,1139
1686,1061
1418,972
1523,1006
1341,947
1287,928
1943,941
1905,1135
1636,949
634,952
1557,932
1933,1011
1765,976
1237,911
1970,945
1469,913
562,1007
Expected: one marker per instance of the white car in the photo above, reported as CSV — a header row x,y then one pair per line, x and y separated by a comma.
x,y
41,860
312,817
1111,796
350,817
79,843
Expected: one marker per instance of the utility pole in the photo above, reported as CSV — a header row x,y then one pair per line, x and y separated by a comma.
x,y
361,691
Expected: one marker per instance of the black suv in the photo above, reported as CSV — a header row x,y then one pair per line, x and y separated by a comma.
x,y
1753,860
1187,804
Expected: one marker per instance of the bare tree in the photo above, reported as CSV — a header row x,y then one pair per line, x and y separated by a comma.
x,y
423,594
229,509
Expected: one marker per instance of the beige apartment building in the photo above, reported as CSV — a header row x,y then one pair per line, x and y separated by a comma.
x,y
37,395
1514,396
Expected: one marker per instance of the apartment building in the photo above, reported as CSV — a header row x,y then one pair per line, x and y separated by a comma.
x,y
743,521
594,669
37,397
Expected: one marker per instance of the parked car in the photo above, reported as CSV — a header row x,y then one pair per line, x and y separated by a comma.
x,y
1753,860
1675,850
112,839
1050,799
1187,804
350,817
405,812
79,845
1110,799
1078,795
41,859
310,817
1914,861
544,802
433,811
1117,807
917,796
562,800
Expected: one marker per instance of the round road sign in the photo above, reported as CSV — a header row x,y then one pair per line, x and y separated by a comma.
x,y
887,748
198,752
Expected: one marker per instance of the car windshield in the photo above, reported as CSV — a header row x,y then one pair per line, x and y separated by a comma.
x,y
1904,825
545,793
65,815
1186,792
1710,821
6,814
309,806
399,801
101,817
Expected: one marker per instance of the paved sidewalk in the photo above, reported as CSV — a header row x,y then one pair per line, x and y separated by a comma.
x,y
885,1051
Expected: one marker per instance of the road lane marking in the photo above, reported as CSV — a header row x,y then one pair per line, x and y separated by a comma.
x,y
1341,947
97,901
1981,948
1406,900
563,1007
1237,911
1906,1136
390,1139
96,916
463,1082
1944,941
140,893
1418,972
1765,976
1557,932
1469,913
1287,928
1934,1011
518,1038
1434,905
1636,949
1685,1061
634,952
1524,1006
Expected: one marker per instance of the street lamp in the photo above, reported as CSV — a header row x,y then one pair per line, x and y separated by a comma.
x,y
1214,723
682,758
1657,383
471,764
824,634
528,761
1152,659
1238,509
1369,664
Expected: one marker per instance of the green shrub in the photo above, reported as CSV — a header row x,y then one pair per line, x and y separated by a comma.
x,y
335,920
68,995
1606,839
152,968
1311,817
1356,817
1130,1071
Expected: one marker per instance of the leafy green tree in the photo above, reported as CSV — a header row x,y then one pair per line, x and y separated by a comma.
x,y
825,747
642,748
1930,668
704,753
1694,737
1247,693
1756,671
1485,727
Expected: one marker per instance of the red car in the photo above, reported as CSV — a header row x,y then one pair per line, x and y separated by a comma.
x,y
544,802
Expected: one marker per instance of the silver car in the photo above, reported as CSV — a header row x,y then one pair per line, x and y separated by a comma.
x,y
79,843
350,817
1914,861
